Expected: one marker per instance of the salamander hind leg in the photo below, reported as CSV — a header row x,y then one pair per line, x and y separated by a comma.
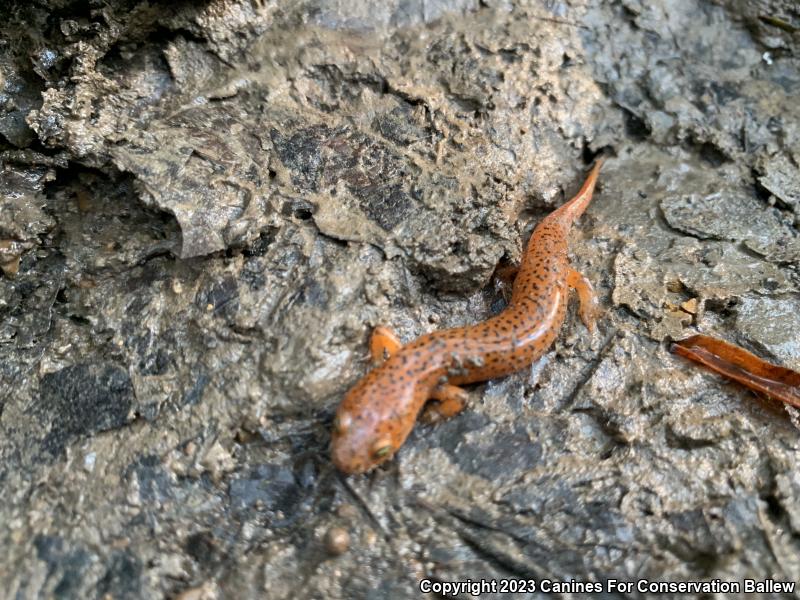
x,y
507,273
589,309
504,277
451,400
383,343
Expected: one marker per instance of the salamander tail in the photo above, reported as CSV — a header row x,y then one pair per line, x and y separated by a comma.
x,y
575,207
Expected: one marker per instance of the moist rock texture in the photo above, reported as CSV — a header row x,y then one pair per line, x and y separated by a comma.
x,y
205,207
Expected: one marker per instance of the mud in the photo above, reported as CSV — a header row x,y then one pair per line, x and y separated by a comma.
x,y
206,206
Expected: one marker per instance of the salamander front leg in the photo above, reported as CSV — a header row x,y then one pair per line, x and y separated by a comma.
x,y
451,401
383,343
589,307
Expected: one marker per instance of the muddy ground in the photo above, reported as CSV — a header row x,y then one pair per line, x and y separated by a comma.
x,y
206,207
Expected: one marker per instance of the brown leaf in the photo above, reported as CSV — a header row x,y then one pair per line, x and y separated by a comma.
x,y
742,366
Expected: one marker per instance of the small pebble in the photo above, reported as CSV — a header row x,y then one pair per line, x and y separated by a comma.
x,y
674,286
89,461
690,306
337,541
370,537
347,511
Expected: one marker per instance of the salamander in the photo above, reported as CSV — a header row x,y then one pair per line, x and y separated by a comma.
x,y
378,413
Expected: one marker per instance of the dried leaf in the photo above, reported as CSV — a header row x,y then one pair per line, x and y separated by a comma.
x,y
742,366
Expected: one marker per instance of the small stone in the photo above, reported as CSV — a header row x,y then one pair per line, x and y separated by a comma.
x,y
347,511
10,251
690,306
370,537
674,286
337,540
10,267
207,591
679,316
217,461
69,27
89,461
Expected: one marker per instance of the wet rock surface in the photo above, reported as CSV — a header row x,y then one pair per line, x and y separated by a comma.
x,y
206,206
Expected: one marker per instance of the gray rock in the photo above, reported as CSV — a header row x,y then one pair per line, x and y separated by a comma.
x,y
206,207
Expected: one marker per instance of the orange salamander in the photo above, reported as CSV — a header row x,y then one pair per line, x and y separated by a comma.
x,y
378,413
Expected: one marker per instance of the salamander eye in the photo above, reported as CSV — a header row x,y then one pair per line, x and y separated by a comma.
x,y
342,422
381,448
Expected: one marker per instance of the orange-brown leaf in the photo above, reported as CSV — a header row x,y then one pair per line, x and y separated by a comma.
x,y
742,366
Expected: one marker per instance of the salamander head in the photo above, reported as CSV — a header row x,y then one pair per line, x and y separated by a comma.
x,y
372,422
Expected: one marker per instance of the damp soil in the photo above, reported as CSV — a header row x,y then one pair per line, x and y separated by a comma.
x,y
205,207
